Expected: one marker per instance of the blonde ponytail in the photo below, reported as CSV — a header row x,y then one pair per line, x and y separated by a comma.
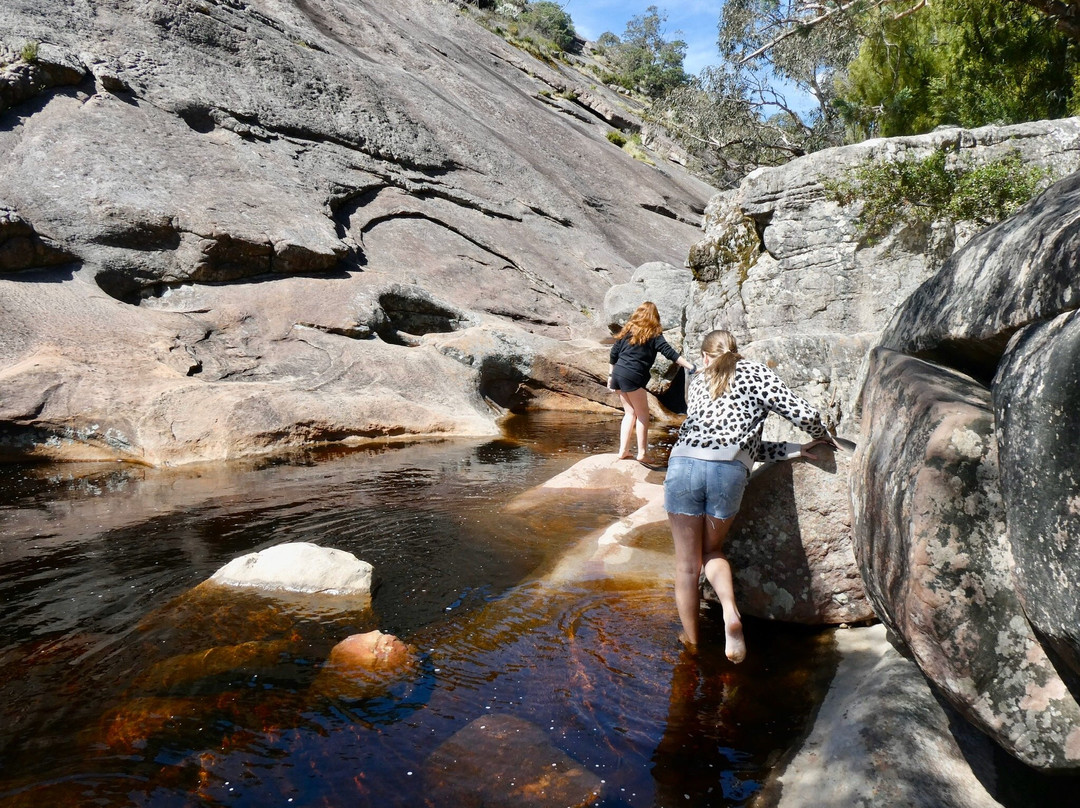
x,y
723,354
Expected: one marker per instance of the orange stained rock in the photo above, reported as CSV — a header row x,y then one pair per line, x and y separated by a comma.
x,y
371,651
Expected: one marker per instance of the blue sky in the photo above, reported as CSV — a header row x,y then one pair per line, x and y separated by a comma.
x,y
696,19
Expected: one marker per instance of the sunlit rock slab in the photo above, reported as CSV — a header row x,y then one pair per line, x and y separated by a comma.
x,y
200,205
881,738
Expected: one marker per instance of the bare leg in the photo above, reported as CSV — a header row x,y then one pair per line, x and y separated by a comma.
x,y
626,429
687,532
639,401
718,571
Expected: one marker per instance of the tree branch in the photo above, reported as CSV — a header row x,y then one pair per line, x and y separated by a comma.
x,y
1064,13
796,24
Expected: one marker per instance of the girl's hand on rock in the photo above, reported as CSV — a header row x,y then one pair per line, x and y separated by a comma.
x,y
804,450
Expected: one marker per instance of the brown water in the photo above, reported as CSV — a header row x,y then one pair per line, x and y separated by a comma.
x,y
108,695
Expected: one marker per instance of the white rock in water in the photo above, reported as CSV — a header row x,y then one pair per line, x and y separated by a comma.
x,y
299,567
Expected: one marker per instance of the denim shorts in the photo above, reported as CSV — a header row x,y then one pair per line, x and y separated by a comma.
x,y
697,487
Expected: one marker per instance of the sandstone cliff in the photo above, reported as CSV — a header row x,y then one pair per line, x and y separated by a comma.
x,y
227,227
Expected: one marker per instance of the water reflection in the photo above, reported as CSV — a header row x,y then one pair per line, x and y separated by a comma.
x,y
122,687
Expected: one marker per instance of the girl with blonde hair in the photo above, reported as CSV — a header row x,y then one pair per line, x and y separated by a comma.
x,y
631,360
718,444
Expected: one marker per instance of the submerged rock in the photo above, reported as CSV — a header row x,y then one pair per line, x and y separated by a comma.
x,y
364,665
186,668
373,651
501,761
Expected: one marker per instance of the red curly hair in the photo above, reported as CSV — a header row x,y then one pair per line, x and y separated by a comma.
x,y
643,325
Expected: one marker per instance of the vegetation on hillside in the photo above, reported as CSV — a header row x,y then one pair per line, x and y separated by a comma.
x,y
795,76
643,59
867,68
542,28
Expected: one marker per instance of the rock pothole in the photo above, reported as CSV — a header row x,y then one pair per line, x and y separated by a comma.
x,y
412,313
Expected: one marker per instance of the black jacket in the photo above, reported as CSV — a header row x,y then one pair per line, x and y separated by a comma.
x,y
633,362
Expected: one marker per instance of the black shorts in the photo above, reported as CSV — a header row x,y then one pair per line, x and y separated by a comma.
x,y
625,385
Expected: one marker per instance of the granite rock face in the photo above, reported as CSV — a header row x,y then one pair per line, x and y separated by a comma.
x,y
1037,406
991,519
788,271
665,285
791,547
227,228
931,543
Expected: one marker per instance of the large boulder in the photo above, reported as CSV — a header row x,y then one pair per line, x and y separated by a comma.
x,y
231,228
1037,408
791,547
1002,311
1024,270
930,526
665,285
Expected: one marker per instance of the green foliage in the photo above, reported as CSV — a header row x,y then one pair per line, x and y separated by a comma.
x,y
551,22
732,123
934,189
966,62
29,52
616,137
753,43
606,41
541,28
643,59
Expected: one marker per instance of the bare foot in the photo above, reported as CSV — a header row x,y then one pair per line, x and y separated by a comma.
x,y
623,457
690,646
734,643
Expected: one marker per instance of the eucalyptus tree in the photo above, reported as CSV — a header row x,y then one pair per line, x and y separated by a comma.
x,y
964,62
771,97
644,58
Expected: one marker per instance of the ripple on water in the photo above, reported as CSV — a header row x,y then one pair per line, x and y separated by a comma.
x,y
119,691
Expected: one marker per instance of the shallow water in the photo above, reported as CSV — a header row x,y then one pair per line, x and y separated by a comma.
x,y
110,697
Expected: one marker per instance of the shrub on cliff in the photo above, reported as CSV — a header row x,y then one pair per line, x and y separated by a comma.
x,y
551,22
933,189
644,59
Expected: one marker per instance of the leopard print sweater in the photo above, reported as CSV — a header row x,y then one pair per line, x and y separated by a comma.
x,y
729,427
